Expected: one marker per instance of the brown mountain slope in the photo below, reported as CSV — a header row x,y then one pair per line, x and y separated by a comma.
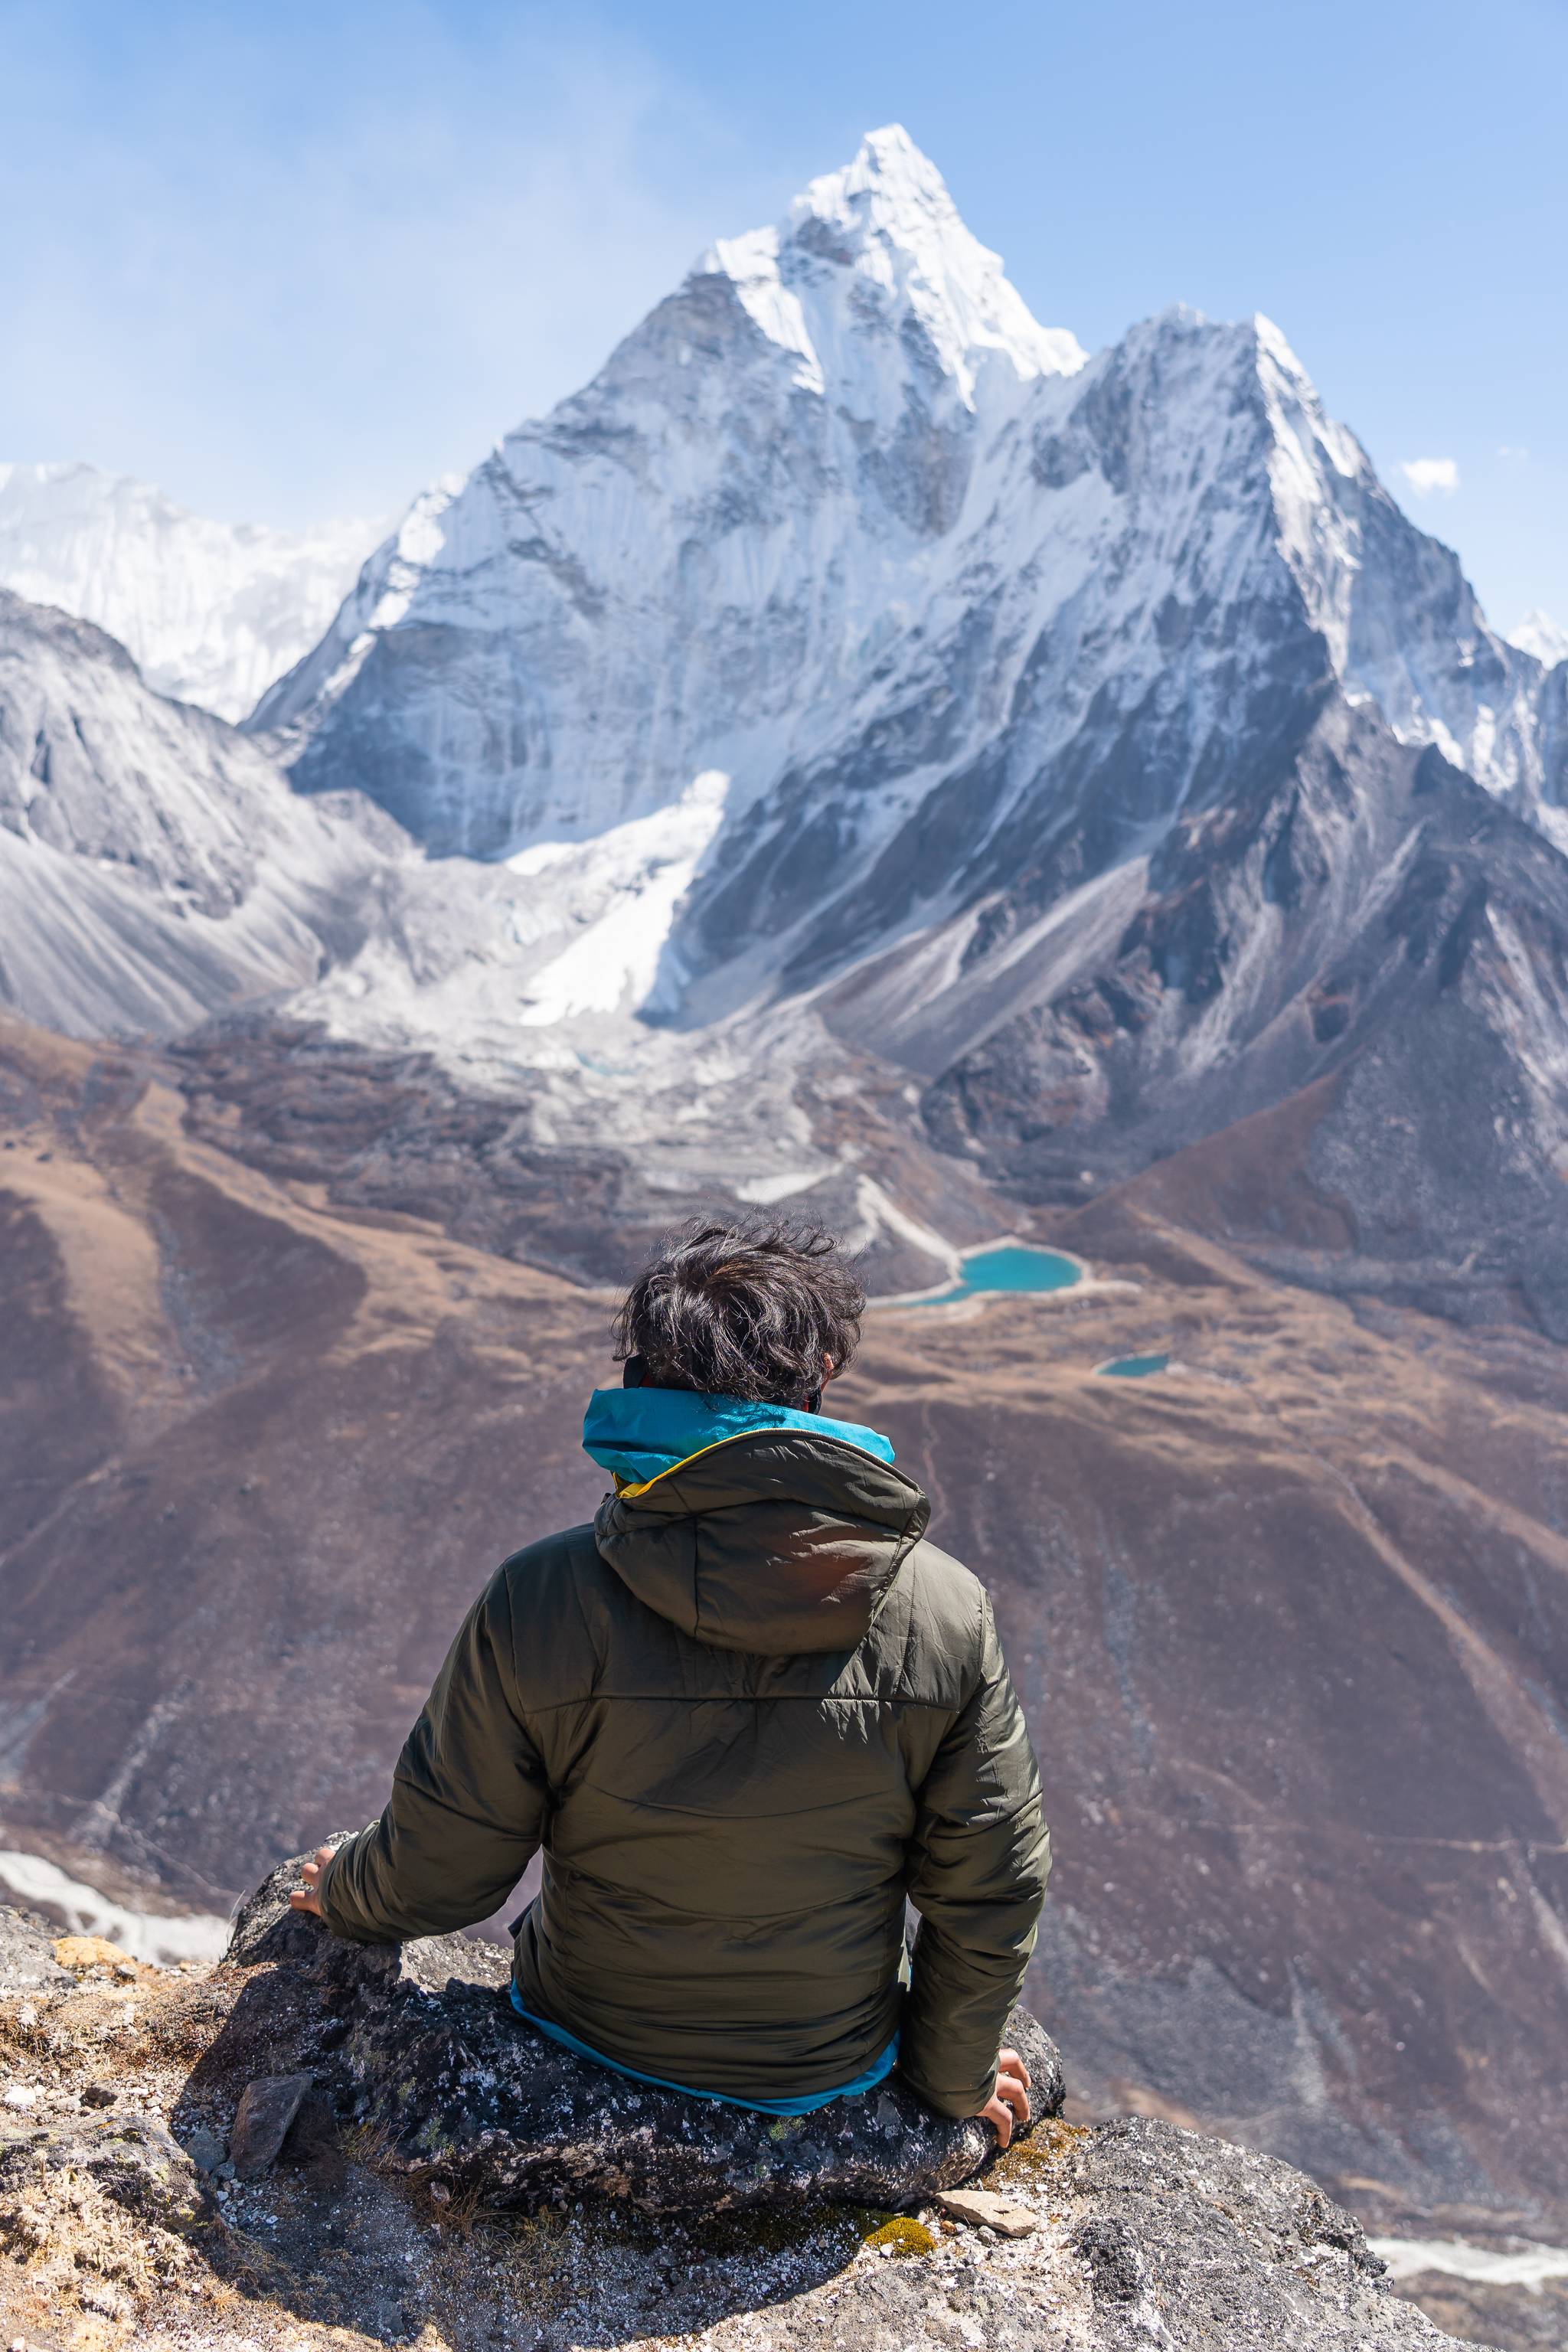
x,y
1290,1619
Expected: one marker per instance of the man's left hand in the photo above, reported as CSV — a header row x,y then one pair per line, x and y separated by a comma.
x,y
306,1898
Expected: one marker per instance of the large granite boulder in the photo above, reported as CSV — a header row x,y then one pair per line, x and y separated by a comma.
x,y
419,2044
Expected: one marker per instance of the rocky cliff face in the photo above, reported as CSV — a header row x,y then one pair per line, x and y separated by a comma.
x,y
1370,923
168,2173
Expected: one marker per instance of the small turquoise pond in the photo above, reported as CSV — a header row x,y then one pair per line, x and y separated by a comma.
x,y
1132,1367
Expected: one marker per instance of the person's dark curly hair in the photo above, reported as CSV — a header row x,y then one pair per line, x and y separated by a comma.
x,y
748,1309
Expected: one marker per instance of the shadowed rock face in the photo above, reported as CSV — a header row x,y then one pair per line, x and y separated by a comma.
x,y
153,865
1360,917
1127,2234
419,2042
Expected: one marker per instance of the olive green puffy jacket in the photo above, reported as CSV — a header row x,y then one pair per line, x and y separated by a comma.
x,y
745,1713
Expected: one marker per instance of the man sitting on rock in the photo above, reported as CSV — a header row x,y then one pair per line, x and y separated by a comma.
x,y
745,1713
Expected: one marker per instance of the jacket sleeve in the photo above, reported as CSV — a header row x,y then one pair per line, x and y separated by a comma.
x,y
981,1858
469,1797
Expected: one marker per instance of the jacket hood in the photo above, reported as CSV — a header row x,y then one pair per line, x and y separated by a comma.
x,y
779,1541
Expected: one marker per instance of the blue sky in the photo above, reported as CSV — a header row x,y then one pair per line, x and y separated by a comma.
x,y
292,260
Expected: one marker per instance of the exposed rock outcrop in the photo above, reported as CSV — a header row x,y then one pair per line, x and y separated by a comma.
x,y
26,1961
135,2218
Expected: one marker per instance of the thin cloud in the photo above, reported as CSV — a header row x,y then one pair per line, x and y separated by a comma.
x,y
300,265
1425,474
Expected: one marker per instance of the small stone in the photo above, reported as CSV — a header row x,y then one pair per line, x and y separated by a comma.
x,y
439,2193
20,2095
107,2301
27,2015
99,2094
206,2151
267,2108
126,1969
988,2213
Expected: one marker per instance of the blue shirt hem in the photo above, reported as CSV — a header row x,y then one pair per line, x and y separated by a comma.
x,y
877,2072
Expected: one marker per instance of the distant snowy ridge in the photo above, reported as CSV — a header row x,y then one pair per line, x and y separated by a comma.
x,y
212,610
1539,635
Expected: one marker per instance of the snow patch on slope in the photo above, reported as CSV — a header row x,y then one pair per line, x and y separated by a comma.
x,y
1520,2265
638,873
164,1938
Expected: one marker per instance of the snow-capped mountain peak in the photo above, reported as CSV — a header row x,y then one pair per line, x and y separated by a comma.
x,y
968,622
851,668
879,244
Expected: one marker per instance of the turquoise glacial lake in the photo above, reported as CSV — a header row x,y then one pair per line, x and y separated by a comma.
x,y
1014,1266
1132,1367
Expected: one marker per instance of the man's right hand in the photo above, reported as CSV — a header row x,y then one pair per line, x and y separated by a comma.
x,y
308,1898
1010,2099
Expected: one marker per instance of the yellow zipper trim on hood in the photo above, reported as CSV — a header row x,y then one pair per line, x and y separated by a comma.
x,y
775,1429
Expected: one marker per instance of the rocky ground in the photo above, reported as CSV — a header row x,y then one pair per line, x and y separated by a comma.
x,y
146,2202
